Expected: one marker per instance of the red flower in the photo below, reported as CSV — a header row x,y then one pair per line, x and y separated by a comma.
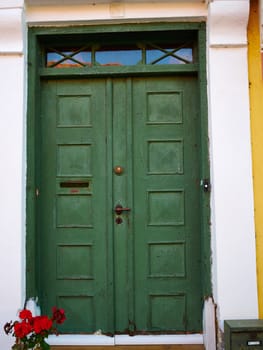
x,y
31,331
58,315
25,314
41,323
22,329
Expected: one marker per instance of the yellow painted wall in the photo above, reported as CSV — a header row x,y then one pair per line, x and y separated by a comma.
x,y
256,109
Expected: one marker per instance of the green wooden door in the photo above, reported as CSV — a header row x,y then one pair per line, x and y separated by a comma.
x,y
138,270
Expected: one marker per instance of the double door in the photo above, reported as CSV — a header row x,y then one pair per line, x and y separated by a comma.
x,y
119,204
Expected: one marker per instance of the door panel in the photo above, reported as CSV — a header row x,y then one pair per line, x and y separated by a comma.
x,y
166,210
141,273
73,219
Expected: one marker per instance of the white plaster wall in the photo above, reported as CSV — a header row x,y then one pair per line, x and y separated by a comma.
x,y
12,160
88,14
233,233
233,226
11,201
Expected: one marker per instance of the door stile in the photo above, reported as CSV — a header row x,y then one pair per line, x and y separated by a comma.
x,y
119,198
130,199
109,204
205,171
122,229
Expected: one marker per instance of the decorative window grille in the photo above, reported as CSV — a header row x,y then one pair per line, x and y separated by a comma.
x,y
120,55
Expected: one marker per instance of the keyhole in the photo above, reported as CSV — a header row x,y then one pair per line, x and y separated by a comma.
x,y
118,220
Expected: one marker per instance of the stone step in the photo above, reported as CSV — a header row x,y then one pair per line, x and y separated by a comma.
x,y
130,347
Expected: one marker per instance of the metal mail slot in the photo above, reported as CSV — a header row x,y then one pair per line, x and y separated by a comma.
x,y
73,186
67,184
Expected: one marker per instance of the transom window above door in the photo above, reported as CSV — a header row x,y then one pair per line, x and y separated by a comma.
x,y
149,53
113,56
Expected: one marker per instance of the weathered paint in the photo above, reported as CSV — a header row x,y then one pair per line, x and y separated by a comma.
x,y
256,110
163,270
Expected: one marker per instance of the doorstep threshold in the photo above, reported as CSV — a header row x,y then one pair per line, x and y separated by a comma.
x,y
123,339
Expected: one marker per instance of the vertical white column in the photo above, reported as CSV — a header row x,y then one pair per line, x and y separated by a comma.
x,y
233,233
12,158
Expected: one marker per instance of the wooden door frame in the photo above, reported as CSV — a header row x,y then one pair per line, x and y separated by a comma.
x,y
37,39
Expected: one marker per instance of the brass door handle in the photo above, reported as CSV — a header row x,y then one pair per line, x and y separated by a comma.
x,y
119,209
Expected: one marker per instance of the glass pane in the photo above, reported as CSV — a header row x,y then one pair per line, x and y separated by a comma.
x,y
169,56
61,60
118,57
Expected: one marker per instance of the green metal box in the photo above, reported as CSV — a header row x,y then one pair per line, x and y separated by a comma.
x,y
243,334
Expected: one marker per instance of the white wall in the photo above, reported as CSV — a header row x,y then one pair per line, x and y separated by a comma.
x,y
233,233
233,236
116,11
12,160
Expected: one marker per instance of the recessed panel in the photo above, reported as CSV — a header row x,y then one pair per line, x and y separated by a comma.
x,y
167,312
79,311
74,211
74,262
165,208
165,107
74,111
167,259
165,157
74,160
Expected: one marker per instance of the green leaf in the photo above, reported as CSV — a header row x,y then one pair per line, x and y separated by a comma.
x,y
44,345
